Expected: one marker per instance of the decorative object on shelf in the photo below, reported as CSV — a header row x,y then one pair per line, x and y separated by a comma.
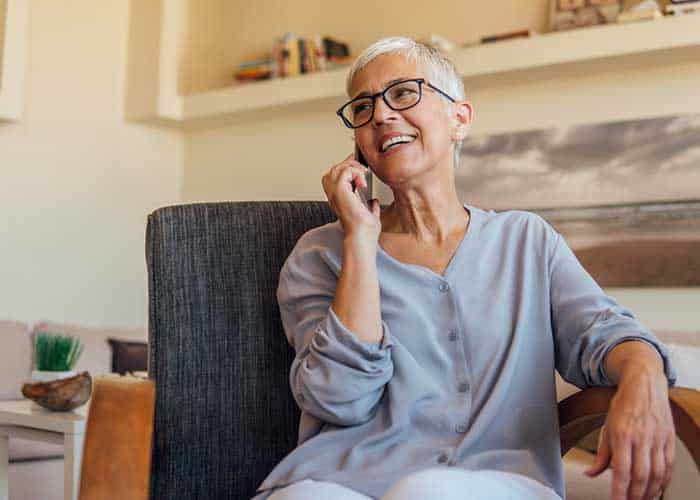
x,y
60,395
639,10
523,33
572,14
438,42
681,8
55,356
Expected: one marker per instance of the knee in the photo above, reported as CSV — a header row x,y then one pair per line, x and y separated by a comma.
x,y
434,482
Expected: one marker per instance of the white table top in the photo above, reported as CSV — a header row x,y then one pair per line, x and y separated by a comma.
x,y
27,413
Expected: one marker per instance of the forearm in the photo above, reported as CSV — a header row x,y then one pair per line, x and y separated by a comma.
x,y
632,359
356,301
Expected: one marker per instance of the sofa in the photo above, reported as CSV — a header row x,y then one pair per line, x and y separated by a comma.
x,y
36,469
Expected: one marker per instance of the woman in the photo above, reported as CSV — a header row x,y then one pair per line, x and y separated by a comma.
x,y
427,333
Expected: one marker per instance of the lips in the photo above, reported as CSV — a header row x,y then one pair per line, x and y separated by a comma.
x,y
386,137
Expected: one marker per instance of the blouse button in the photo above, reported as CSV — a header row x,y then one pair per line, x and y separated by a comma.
x,y
463,387
453,335
444,287
461,428
442,458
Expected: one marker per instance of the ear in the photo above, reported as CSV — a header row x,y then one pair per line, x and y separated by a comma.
x,y
463,114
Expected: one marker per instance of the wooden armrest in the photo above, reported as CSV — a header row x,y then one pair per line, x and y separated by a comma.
x,y
116,461
585,411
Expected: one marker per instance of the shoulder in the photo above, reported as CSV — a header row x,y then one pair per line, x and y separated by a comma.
x,y
519,226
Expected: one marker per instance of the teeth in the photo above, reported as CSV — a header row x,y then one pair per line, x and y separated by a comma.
x,y
397,139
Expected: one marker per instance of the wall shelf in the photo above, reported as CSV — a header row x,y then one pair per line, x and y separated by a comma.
x,y
597,48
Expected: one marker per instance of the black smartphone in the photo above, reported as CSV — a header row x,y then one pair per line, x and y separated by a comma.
x,y
364,194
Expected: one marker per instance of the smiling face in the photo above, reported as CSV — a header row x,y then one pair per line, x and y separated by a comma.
x,y
427,121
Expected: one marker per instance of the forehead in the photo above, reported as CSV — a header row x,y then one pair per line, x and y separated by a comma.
x,y
383,71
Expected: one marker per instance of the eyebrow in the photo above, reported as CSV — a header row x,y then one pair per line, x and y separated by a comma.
x,y
386,84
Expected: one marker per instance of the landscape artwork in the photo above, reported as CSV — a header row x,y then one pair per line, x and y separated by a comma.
x,y
625,195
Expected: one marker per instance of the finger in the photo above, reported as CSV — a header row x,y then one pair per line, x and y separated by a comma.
x,y
621,463
346,171
670,459
641,467
657,470
602,458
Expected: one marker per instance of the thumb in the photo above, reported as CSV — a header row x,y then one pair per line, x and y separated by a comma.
x,y
602,458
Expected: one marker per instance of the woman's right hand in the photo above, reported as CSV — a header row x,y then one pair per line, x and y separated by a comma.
x,y
357,219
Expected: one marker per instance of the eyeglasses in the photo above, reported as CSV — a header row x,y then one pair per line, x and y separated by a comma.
x,y
398,96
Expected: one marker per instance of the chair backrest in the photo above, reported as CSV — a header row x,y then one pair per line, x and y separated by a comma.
x,y
224,414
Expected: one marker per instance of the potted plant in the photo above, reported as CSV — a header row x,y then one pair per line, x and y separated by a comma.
x,y
55,356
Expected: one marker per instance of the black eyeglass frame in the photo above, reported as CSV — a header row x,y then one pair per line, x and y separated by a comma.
x,y
420,81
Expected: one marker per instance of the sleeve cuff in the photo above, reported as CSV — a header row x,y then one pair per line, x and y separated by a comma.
x,y
661,350
336,331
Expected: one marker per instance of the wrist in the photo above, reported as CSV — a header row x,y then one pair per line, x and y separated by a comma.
x,y
634,371
360,242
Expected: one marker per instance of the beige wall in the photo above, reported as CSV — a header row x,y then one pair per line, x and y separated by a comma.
x,y
3,8
284,159
220,37
76,181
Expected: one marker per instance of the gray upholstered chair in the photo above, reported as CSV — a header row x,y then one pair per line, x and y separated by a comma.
x,y
224,413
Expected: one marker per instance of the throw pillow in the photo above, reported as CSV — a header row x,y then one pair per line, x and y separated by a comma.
x,y
128,355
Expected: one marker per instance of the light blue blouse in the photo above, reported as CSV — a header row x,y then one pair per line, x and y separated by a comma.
x,y
464,373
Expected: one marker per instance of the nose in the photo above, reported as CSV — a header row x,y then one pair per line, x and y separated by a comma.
x,y
382,112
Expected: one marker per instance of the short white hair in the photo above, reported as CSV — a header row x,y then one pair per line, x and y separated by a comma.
x,y
440,70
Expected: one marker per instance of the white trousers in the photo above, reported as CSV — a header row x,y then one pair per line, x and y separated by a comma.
x,y
431,484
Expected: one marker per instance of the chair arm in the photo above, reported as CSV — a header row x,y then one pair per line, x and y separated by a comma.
x,y
585,411
116,461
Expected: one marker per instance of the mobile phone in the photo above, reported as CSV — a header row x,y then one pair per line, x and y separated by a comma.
x,y
364,194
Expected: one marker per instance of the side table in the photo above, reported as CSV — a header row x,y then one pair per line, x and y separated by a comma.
x,y
27,420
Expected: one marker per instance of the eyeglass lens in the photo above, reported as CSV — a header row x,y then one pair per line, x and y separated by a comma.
x,y
400,96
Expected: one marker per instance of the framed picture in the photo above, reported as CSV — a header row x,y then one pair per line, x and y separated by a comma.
x,y
572,14
623,194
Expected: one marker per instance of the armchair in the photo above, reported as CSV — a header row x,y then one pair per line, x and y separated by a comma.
x,y
224,414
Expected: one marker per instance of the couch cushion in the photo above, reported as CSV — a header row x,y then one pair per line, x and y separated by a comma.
x,y
25,449
97,356
15,358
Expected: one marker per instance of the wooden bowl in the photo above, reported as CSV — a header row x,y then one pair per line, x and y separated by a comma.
x,y
60,395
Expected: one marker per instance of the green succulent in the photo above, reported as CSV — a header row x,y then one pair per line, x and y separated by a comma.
x,y
56,352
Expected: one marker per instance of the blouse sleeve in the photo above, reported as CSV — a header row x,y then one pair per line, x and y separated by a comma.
x,y
335,376
587,323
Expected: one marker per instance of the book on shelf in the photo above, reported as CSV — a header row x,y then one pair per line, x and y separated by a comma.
x,y
523,33
295,55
